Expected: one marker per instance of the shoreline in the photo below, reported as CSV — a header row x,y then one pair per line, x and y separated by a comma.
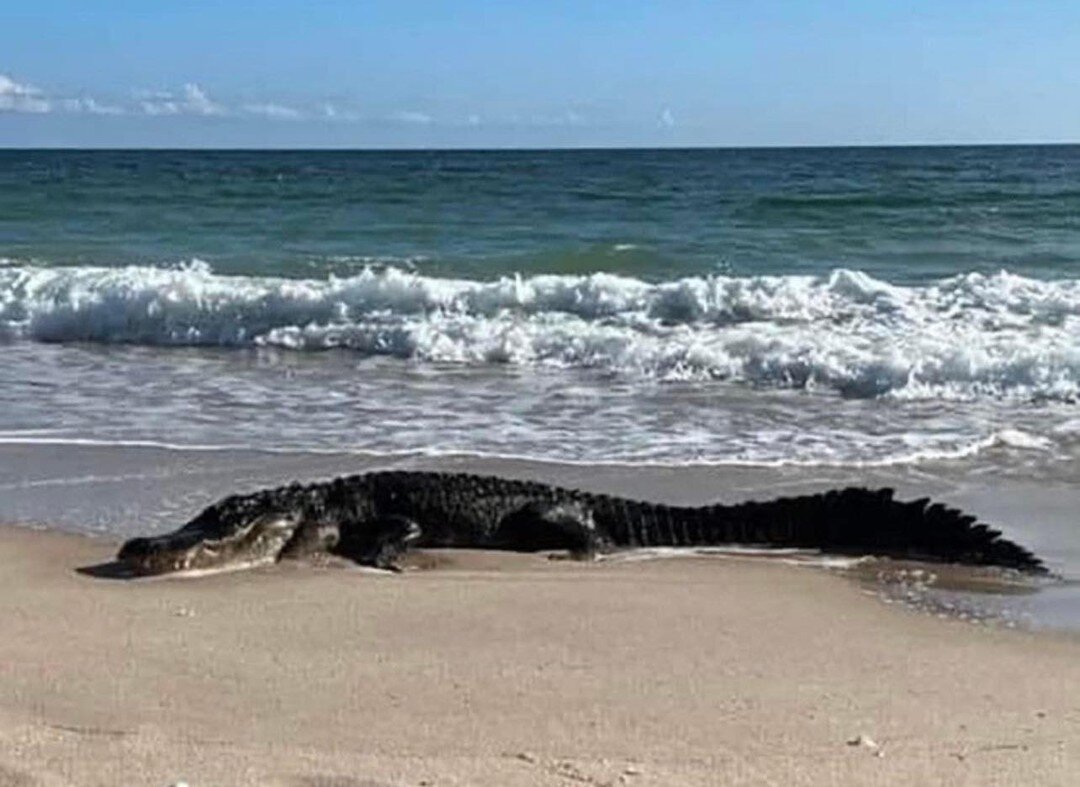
x,y
128,491
513,670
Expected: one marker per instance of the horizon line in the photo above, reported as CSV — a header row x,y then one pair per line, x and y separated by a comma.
x,y
528,148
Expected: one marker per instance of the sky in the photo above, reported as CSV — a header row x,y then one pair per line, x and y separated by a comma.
x,y
537,73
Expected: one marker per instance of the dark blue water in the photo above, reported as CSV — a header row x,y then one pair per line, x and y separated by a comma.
x,y
905,215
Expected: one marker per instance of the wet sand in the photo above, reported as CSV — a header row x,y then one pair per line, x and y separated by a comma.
x,y
511,670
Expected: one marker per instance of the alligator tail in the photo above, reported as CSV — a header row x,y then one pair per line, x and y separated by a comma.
x,y
848,521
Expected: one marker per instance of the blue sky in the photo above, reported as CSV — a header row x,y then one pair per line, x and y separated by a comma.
x,y
537,74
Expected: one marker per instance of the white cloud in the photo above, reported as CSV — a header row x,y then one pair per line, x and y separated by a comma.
x,y
91,106
198,103
151,95
666,118
275,111
16,97
339,114
568,118
193,100
160,107
412,116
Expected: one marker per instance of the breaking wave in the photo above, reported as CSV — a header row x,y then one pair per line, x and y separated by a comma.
x,y
964,337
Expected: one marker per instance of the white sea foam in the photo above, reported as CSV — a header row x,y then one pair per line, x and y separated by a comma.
x,y
966,337
1016,438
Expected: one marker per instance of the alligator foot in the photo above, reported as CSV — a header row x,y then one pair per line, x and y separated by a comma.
x,y
551,526
392,539
312,540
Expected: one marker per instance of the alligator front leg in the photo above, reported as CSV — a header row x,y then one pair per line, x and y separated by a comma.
x,y
387,540
551,526
312,540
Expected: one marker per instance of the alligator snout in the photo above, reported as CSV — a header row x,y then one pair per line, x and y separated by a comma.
x,y
156,555
255,542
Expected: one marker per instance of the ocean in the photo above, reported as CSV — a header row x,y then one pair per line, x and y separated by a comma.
x,y
818,306
914,312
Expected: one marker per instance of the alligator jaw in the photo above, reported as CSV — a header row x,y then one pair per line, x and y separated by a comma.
x,y
187,550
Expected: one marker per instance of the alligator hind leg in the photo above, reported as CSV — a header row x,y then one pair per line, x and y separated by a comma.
x,y
390,539
551,526
311,540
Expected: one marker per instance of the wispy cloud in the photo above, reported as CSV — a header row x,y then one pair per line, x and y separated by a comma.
x,y
335,112
167,107
271,110
17,97
196,101
192,100
666,118
412,116
569,117
91,106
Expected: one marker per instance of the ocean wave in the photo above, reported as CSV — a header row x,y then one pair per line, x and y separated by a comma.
x,y
967,336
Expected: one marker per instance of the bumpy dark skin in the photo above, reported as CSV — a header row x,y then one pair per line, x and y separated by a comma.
x,y
373,518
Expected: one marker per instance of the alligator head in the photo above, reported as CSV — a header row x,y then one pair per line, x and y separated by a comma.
x,y
196,547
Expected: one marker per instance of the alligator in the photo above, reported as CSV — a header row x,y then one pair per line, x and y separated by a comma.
x,y
374,518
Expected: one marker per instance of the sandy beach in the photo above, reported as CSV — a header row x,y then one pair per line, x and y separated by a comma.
x,y
478,669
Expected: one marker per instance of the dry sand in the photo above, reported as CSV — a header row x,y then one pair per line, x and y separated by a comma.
x,y
511,670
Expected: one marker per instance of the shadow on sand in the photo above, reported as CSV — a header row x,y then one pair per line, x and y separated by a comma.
x,y
111,570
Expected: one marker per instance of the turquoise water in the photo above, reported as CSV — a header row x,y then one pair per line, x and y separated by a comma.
x,y
904,215
840,307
